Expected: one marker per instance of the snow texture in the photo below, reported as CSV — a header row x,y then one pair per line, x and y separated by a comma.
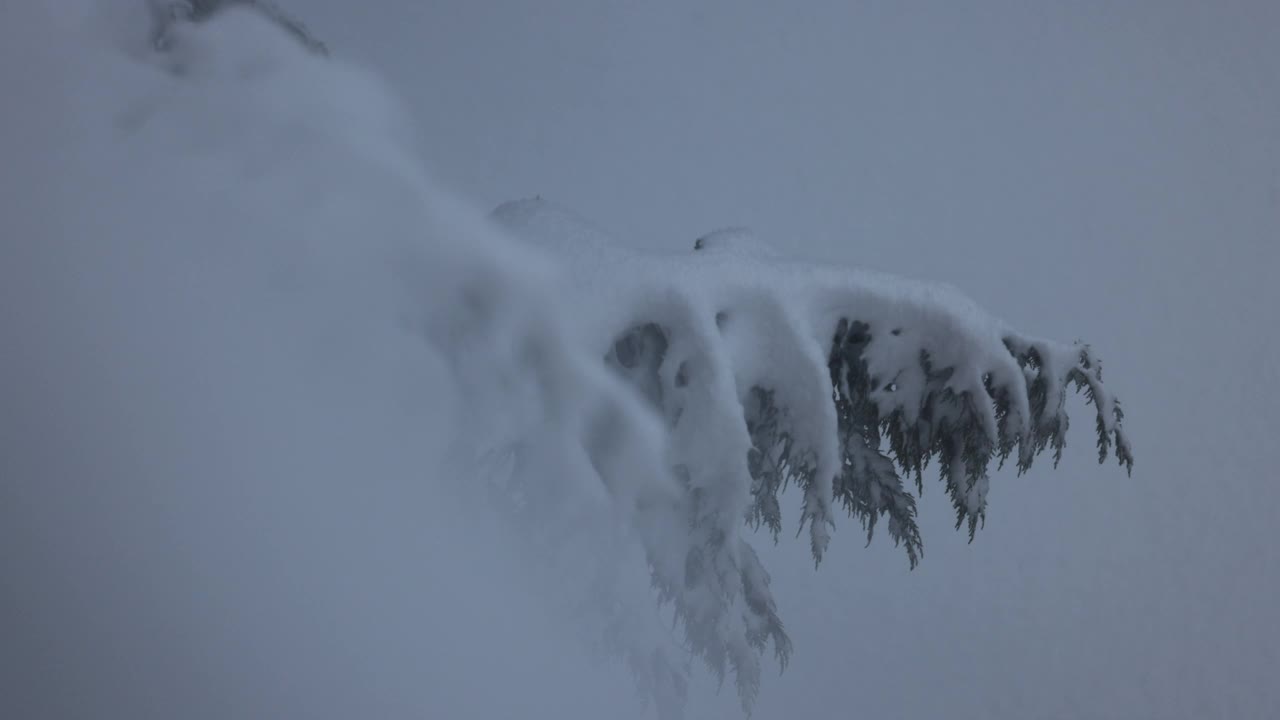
x,y
246,330
262,379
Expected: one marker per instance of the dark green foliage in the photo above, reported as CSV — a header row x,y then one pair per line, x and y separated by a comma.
x,y
719,565
770,460
1047,391
881,446
886,438
868,484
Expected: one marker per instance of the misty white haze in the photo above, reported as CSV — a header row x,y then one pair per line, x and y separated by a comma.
x,y
257,330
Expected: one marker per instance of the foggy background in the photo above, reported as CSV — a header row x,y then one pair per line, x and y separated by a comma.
x,y
1098,171
1103,171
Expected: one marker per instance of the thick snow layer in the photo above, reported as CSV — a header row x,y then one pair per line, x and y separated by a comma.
x,y
731,313
770,372
254,363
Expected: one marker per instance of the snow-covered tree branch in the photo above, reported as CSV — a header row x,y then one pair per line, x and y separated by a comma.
x,y
845,383
632,415
166,15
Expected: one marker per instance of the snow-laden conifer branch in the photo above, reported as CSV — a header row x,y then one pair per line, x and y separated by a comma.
x,y
843,382
758,372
